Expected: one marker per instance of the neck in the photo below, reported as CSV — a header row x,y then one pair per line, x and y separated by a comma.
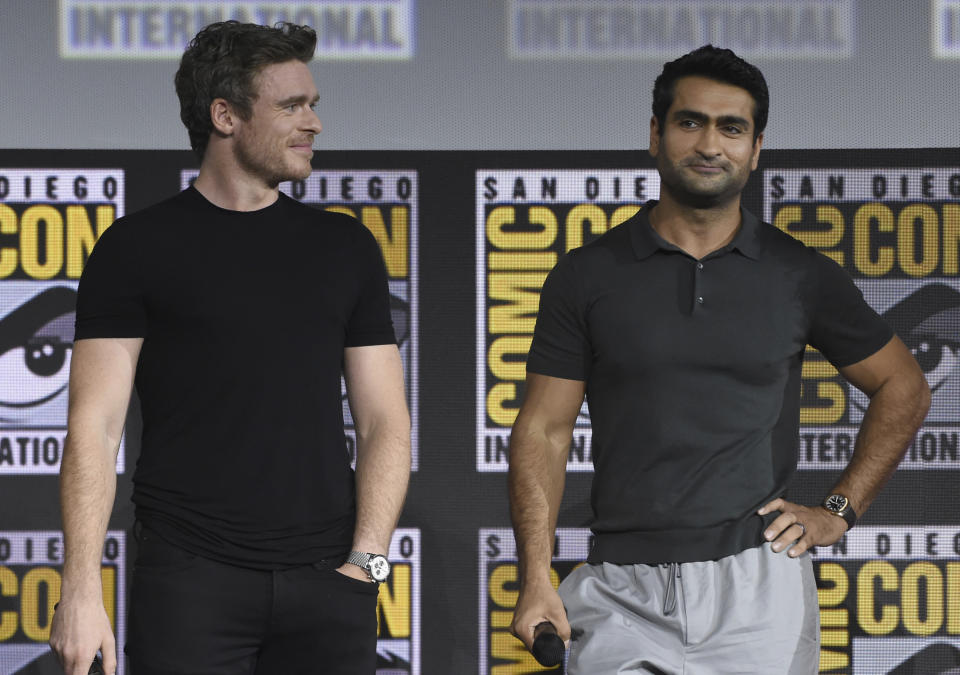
x,y
698,231
226,185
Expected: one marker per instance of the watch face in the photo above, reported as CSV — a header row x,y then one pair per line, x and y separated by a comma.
x,y
836,503
379,567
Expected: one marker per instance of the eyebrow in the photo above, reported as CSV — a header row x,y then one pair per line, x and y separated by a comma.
x,y
723,120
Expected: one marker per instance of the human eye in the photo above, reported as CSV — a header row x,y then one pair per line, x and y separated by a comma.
x,y
733,129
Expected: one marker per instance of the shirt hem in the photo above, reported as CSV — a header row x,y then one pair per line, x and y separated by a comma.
x,y
683,545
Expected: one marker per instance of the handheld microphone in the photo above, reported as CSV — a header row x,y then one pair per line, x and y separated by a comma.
x,y
547,647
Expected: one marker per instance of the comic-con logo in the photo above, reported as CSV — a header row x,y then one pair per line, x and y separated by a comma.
x,y
386,202
890,601
897,233
525,221
30,580
398,608
500,652
50,220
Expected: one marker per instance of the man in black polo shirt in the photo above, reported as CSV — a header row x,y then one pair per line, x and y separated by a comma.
x,y
685,327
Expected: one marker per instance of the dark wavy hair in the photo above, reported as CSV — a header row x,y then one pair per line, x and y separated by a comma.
x,y
223,60
717,64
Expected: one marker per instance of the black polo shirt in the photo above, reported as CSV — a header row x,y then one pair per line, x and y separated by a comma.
x,y
692,370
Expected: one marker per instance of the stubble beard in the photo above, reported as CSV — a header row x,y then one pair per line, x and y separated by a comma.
x,y
269,166
700,194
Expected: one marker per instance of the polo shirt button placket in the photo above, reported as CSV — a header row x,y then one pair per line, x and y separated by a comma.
x,y
698,285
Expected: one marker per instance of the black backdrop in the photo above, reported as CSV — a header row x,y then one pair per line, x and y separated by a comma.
x,y
890,593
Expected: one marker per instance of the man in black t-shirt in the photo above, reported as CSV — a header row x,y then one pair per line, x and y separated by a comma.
x,y
685,328
235,309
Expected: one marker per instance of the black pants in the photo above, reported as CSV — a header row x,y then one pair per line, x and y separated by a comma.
x,y
192,615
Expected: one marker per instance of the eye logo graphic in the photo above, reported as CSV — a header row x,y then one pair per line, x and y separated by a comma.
x,y
928,322
940,659
36,342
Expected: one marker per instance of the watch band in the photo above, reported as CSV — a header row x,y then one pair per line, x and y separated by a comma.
x,y
359,559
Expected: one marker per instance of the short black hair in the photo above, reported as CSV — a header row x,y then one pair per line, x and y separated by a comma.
x,y
717,64
223,60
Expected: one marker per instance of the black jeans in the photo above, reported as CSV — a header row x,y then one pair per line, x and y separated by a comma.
x,y
192,615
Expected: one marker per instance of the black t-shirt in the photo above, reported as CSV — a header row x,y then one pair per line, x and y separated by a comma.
x,y
692,370
245,316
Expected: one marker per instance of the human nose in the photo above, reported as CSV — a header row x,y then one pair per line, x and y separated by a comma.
x,y
708,142
312,123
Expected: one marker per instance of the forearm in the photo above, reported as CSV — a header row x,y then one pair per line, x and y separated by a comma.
x,y
893,416
536,480
383,472
539,446
87,489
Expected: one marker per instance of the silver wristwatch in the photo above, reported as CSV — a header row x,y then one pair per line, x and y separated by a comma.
x,y
375,565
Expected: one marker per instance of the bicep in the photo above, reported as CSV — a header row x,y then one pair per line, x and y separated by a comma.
x,y
101,379
374,379
892,361
550,407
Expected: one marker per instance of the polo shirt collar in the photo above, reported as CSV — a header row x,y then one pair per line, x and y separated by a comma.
x,y
646,241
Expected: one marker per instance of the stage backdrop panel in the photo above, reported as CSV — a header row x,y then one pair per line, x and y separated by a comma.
x,y
467,239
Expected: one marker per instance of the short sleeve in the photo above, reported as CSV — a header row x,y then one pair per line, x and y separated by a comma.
x,y
110,297
560,346
370,321
844,328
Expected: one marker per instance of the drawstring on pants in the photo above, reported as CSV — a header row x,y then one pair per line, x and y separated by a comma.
x,y
670,595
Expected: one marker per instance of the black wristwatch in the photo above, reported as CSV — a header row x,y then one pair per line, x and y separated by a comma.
x,y
839,505
375,565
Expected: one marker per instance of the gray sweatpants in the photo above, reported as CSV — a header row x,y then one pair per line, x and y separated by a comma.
x,y
755,612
